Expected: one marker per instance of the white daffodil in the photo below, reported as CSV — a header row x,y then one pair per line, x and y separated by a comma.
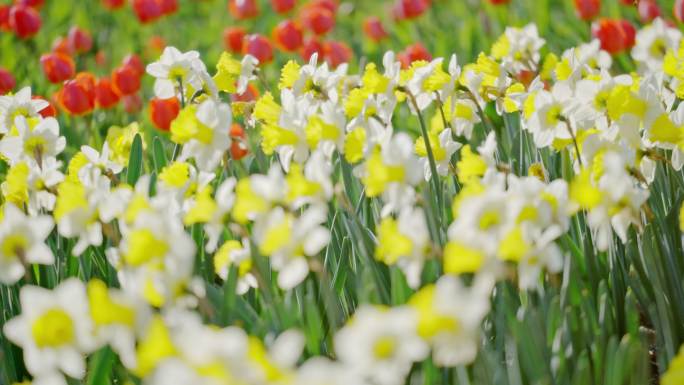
x,y
175,70
207,144
404,242
289,240
320,370
155,257
652,44
234,253
19,104
22,242
310,184
450,317
41,183
257,194
54,330
36,143
391,171
116,316
76,212
442,146
98,166
381,344
518,48
212,212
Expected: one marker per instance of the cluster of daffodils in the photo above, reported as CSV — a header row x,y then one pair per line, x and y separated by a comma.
x,y
421,146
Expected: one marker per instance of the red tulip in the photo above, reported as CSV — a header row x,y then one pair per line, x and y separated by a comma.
x,y
125,80
288,35
31,3
679,10
317,19
337,52
5,17
233,39
113,4
615,35
61,45
259,47
330,5
133,61
168,7
251,94
283,6
7,81
57,67
374,29
156,44
310,47
499,2
132,103
48,111
105,96
100,58
587,9
648,10
163,112
628,2
414,52
78,95
147,11
238,149
79,40
409,9
25,21
243,9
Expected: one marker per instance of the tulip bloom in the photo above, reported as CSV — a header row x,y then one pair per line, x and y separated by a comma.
x,y
132,103
113,4
57,67
648,10
4,17
319,20
77,96
147,11
337,52
409,9
310,47
61,45
31,3
679,10
259,47
288,35
7,81
105,96
615,35
48,111
233,39
125,80
24,21
243,9
587,9
251,94
374,29
499,2
79,40
282,6
413,53
163,112
238,149
135,63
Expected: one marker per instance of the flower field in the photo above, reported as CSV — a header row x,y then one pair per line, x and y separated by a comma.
x,y
306,192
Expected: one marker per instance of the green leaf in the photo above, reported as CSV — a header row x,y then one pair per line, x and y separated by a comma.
x,y
135,161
